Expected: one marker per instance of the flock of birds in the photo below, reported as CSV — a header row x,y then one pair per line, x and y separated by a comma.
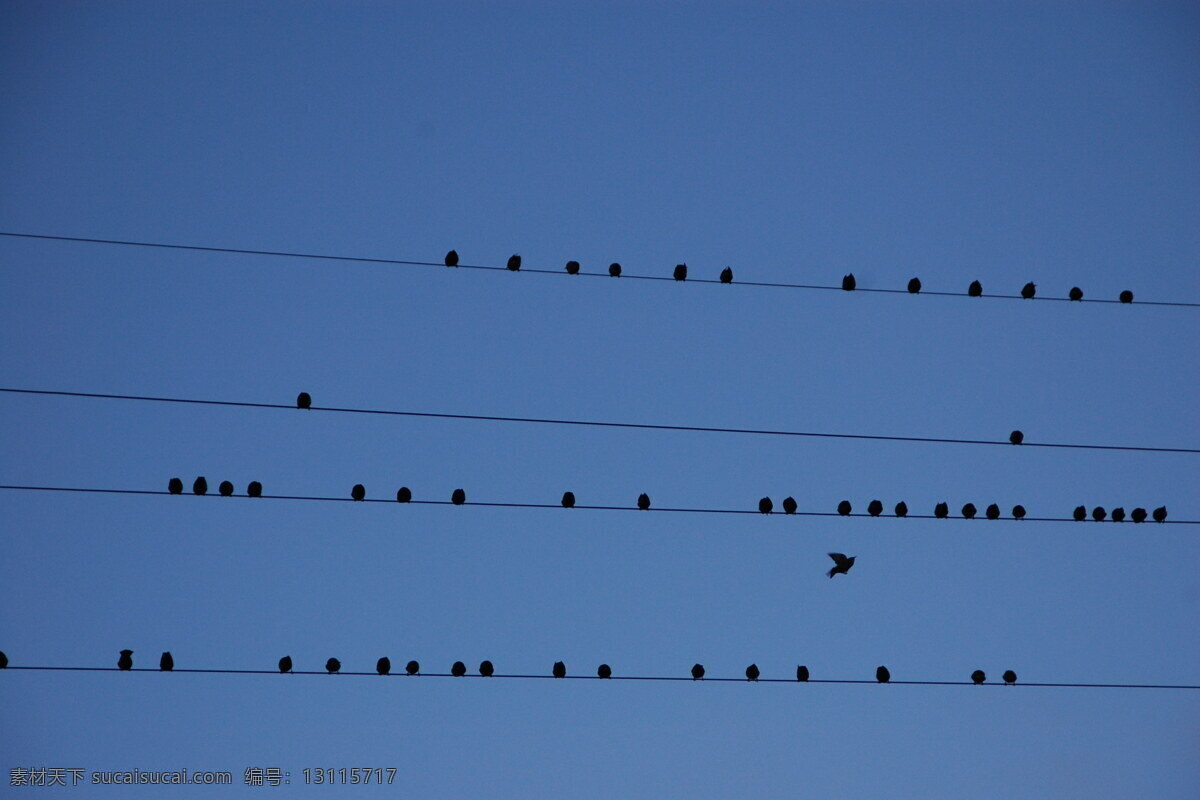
x,y
680,273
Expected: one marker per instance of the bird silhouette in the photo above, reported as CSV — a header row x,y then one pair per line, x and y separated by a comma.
x,y
752,672
844,508
412,668
604,671
452,258
1126,296
1160,514
359,492
404,495
1016,437
1076,293
1018,512
383,666
514,262
975,289
486,669
332,666
285,664
200,486
914,286
226,488
1138,515
902,509
1029,290
643,501
572,267
458,497
568,500
126,660
882,675
697,671
254,489
993,511
1080,513
841,564
789,505
560,669
802,673
968,511
458,669
978,676
765,505
1009,676
166,663
1098,513
304,400
175,486
1118,514
727,275
848,282
3,660
875,508
614,269
680,272
941,510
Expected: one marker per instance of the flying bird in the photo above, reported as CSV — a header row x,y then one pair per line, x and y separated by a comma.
x,y
226,488
572,267
614,269
1118,515
841,564
458,497
175,486
978,676
1009,676
1160,514
975,289
126,660
486,669
993,511
458,669
848,282
200,486
452,258
902,509
1016,437
875,508
359,492
727,275
680,272
802,673
560,669
789,505
304,400
1076,293
844,508
412,668
752,672
1029,290
1098,513
697,671
968,511
643,501
332,666
383,666
914,286
1138,515
568,500
166,663
514,262
1126,296
765,505
404,495
254,489
604,671
285,664
1080,513
941,511
882,675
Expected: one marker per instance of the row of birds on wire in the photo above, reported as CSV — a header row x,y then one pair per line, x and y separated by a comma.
x,y
765,506
849,283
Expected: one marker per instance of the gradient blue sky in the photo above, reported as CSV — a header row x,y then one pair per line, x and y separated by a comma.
x,y
1010,142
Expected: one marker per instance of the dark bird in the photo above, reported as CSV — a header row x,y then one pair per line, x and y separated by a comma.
x,y
1076,293
844,508
680,272
875,508
882,675
1118,515
802,673
993,511
175,486
568,500
1029,290
458,497
841,564
1080,513
1016,437
914,286
359,492
614,269
560,669
304,400
902,509
200,486
285,664
166,663
1099,514
1138,515
1018,512
383,666
572,267
975,289
458,669
412,668
226,488
486,669
727,275
3,660
452,258
848,282
1160,514
1126,296
968,511
514,262
404,495
765,505
643,501
789,505
254,489
126,660
978,676
1009,676
941,511
697,671
604,671
332,666
752,672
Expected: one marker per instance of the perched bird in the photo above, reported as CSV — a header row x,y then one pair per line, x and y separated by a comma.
x,y
789,505
514,262
802,673
452,258
3,660
126,660
166,663
765,505
844,508
1138,515
875,508
882,675
614,269
254,489
303,400
680,272
404,495
458,669
285,664
568,500
902,509
978,676
1029,290
1009,676
1018,512
1126,296
848,282
226,488
697,671
914,286
175,486
359,492
1160,514
332,666
604,671
1016,437
841,564
643,501
200,486
968,511
1080,513
486,669
993,511
941,511
458,497
1076,293
383,666
975,289
1118,515
560,669
572,267
727,275
1098,513
412,668
752,672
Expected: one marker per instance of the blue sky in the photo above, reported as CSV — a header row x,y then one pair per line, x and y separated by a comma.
x,y
1011,142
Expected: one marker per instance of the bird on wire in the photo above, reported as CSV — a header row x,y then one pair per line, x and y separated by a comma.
x,y
752,672
875,508
458,669
727,275
383,666
1018,512
1126,296
1009,677
285,664
3,660
332,666
978,677
968,511
680,273
882,675
359,492
789,505
1118,514
604,671
568,500
1160,514
1016,437
514,262
914,286
644,501
802,673
458,497
1029,290
486,669
304,399
1075,294
166,662
902,509
1098,513
225,489
1138,515
560,669
413,668
975,289
841,564
254,489
697,671
844,508
404,495
175,486
1080,513
765,505
125,662
200,486
993,511
452,258
848,282
941,510
572,267
614,269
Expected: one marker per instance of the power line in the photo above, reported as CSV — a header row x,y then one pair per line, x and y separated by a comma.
x,y
604,424
624,275
574,507
661,678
